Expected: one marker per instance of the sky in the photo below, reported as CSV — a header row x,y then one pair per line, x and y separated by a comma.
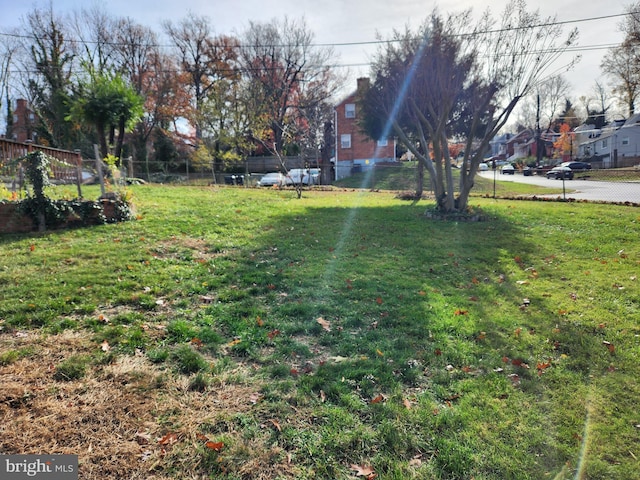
x,y
359,22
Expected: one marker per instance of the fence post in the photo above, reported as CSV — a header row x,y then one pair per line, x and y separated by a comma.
x,y
79,172
99,168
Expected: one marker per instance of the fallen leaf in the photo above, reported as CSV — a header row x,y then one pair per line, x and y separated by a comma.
x,y
324,324
610,346
378,399
104,346
273,333
169,439
364,471
379,300
380,353
196,342
461,312
259,321
323,396
276,425
407,404
437,352
519,363
215,446
32,247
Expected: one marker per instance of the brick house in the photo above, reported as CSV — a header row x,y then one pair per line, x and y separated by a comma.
x,y
355,151
23,128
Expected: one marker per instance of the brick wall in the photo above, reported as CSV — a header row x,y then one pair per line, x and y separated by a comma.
x,y
362,147
13,222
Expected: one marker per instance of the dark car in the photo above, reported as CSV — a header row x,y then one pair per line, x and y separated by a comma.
x,y
560,172
577,166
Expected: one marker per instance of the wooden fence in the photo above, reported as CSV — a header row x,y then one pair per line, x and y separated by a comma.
x,y
66,169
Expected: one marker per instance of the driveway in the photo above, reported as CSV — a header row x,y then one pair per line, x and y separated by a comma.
x,y
578,189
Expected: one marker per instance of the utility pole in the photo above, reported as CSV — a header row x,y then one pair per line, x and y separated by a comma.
x,y
538,135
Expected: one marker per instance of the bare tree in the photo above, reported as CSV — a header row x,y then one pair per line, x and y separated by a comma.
x,y
95,31
622,63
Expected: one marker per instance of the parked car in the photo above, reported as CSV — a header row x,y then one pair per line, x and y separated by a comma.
x,y
304,176
577,166
528,171
483,167
508,169
271,179
560,172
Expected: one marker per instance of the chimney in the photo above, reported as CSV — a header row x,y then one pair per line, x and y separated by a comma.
x,y
363,82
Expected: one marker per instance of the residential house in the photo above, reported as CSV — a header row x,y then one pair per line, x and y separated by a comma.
x,y
524,144
616,145
354,150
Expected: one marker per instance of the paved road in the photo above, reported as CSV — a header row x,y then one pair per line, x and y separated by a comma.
x,y
579,189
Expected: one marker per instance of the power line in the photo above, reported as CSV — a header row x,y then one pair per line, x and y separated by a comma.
x,y
358,43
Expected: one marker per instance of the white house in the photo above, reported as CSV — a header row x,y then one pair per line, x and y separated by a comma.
x,y
614,146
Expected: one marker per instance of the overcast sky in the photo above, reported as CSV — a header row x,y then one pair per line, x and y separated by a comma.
x,y
355,21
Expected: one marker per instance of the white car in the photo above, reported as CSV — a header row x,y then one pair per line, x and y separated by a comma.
x,y
508,169
271,179
302,176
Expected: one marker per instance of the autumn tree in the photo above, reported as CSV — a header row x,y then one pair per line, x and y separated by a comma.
x,y
155,77
564,144
207,61
436,85
289,81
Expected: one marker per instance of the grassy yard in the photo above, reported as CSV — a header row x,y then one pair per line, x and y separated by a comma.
x,y
235,333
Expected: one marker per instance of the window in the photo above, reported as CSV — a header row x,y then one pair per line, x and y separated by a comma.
x,y
604,143
625,141
383,142
345,140
32,117
350,110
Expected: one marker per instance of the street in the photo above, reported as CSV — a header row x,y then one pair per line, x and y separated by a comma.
x,y
578,189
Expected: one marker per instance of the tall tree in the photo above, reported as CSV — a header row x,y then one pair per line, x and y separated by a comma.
x,y
622,63
288,78
50,62
204,58
436,85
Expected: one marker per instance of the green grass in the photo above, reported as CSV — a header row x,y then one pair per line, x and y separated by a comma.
x,y
402,177
504,349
